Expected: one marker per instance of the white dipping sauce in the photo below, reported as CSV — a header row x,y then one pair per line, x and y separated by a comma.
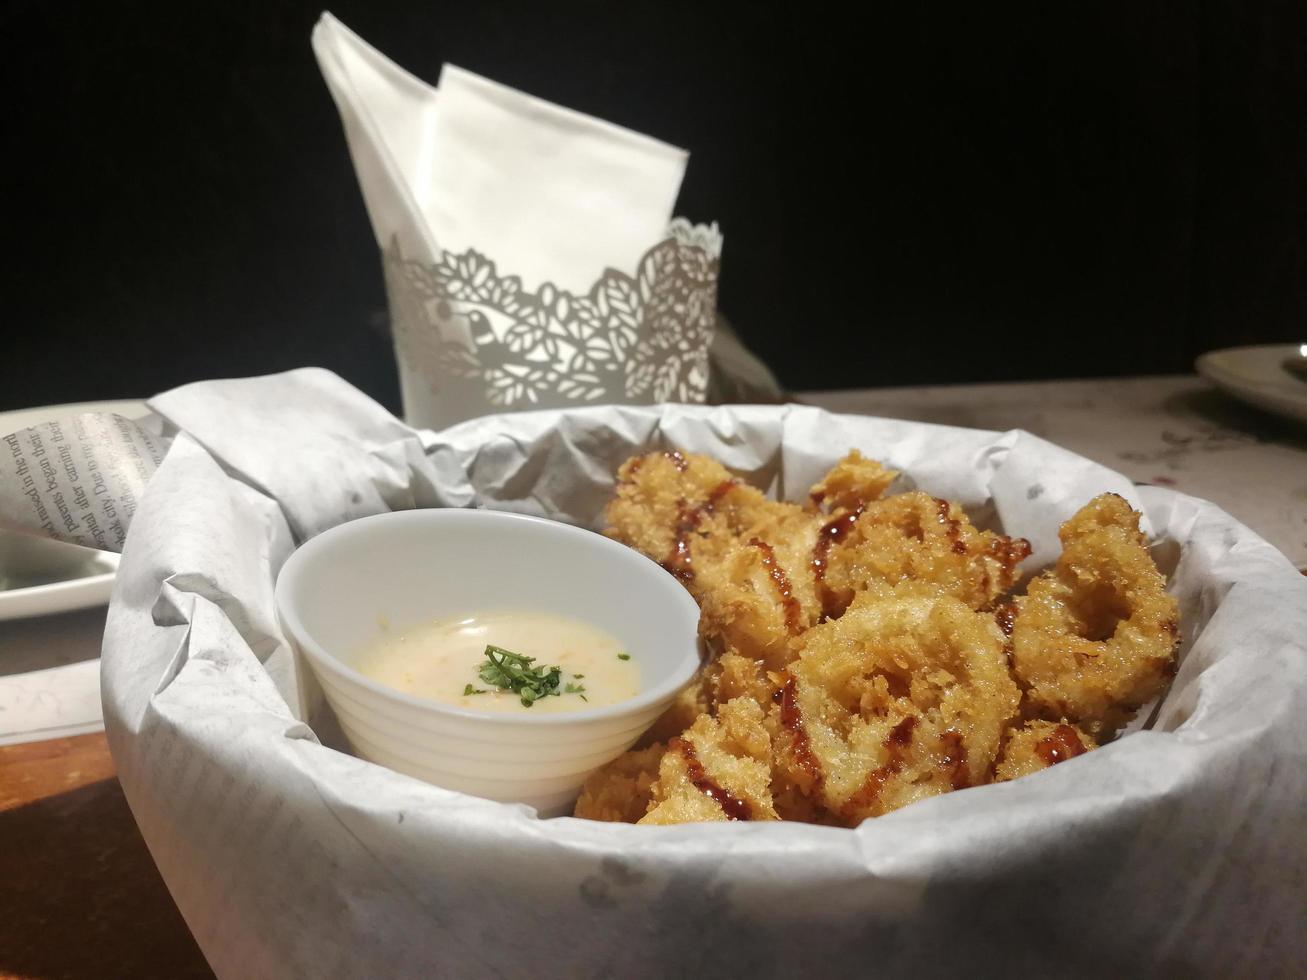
x,y
438,659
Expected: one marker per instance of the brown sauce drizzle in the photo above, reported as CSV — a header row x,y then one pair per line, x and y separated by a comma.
x,y
793,611
678,561
1006,616
1061,744
897,686
955,757
1009,553
896,743
832,532
734,807
952,526
900,736
792,721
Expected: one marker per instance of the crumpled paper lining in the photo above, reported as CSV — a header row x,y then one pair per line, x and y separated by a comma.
x,y
1178,849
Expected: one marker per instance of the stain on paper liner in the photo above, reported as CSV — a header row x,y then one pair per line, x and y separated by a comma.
x,y
77,479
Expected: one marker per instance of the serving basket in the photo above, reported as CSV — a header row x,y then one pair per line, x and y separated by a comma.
x,y
1177,848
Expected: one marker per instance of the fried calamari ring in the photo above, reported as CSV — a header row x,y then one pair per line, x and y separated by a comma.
x,y
755,566
916,537
746,559
1038,745
620,792
736,676
1095,637
905,696
681,508
720,769
759,595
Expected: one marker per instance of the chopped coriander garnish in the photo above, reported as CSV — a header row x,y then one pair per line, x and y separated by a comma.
x,y
513,672
623,656
469,689
578,676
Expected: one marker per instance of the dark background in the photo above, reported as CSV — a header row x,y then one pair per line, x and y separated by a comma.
x,y
941,194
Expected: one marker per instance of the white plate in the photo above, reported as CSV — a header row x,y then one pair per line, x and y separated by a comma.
x,y
91,587
91,584
1257,376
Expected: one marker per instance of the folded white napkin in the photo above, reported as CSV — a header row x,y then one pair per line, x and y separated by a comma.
x,y
550,194
520,242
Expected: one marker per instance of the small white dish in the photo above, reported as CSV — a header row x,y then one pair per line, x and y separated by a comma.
x,y
1261,376
410,567
91,586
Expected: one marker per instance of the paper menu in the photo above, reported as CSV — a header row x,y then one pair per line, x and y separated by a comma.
x,y
77,479
1175,850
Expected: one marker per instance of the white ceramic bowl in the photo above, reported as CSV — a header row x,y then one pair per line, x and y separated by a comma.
x,y
408,567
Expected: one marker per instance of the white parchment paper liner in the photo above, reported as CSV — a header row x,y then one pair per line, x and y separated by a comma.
x,y
1179,849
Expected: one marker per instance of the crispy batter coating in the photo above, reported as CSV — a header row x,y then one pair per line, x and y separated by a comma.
x,y
903,697
870,654
697,698
916,537
747,560
720,769
1038,745
1095,637
736,676
681,509
759,595
728,677
851,483
620,791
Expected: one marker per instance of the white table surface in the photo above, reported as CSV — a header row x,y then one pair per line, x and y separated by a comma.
x,y
50,676
1175,431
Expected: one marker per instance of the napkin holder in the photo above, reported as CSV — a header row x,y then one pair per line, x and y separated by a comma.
x,y
529,253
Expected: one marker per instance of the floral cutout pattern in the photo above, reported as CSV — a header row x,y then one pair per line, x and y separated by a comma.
x,y
629,339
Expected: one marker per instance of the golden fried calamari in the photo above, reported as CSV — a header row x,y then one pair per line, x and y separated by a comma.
x,y
681,509
1038,745
850,484
869,654
919,538
746,559
758,595
719,769
1094,637
620,792
904,696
